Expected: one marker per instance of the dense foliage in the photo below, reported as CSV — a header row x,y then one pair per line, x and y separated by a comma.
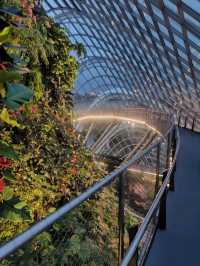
x,y
42,162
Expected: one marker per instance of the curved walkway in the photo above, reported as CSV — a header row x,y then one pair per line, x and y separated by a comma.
x,y
179,244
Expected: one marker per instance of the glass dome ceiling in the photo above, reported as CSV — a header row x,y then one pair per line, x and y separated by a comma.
x,y
139,52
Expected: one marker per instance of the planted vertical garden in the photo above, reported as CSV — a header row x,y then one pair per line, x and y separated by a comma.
x,y
42,163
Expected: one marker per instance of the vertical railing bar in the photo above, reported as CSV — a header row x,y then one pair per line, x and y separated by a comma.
x,y
168,150
157,170
162,211
179,119
186,122
171,184
121,220
193,123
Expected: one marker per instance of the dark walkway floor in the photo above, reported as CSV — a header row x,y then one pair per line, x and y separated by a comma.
x,y
179,245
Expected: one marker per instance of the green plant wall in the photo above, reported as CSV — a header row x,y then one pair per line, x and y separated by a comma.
x,y
42,162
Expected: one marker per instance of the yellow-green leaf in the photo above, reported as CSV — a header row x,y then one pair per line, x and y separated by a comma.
x,y
20,205
50,210
7,193
5,34
2,90
4,116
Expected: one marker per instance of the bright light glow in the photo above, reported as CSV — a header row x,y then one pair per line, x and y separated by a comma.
x,y
142,172
121,118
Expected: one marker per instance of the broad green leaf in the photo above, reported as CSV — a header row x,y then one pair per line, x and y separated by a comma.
x,y
7,193
6,76
20,205
4,116
17,94
5,34
12,215
9,212
7,151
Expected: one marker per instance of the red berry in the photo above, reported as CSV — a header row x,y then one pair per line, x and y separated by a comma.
x,y
2,185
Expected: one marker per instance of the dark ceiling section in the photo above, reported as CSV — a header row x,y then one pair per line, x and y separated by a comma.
x,y
141,52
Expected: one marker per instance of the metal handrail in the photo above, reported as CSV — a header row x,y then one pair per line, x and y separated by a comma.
x,y
134,245
42,225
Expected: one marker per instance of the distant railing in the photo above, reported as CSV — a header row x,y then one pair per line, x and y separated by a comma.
x,y
172,137
189,121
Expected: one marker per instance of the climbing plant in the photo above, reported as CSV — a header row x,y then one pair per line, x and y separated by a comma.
x,y
42,162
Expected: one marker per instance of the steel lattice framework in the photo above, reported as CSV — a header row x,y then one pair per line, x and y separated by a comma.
x,y
144,51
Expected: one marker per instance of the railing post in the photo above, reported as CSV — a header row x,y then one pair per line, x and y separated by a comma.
x,y
157,170
168,151
186,122
162,212
121,217
171,183
193,123
132,231
162,220
179,119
